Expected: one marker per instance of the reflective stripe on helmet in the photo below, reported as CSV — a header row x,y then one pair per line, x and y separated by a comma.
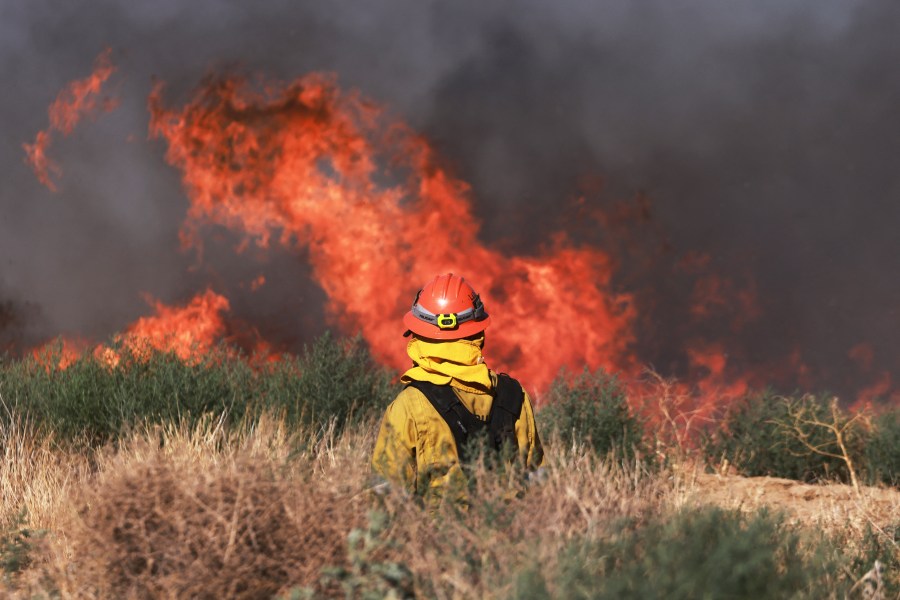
x,y
450,320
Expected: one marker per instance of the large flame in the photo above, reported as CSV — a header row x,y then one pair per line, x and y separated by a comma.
x,y
310,166
304,163
78,99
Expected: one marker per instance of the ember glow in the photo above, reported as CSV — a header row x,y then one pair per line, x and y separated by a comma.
x,y
79,99
301,164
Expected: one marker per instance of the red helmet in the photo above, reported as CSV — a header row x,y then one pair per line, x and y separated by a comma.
x,y
447,308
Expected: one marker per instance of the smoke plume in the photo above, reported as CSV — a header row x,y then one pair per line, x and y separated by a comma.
x,y
737,163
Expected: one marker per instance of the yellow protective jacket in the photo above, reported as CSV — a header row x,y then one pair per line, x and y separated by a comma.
x,y
415,447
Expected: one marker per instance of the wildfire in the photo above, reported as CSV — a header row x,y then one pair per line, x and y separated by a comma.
x,y
61,352
714,383
307,166
303,161
881,384
189,330
78,99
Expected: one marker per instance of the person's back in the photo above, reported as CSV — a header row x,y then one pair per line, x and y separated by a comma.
x,y
450,397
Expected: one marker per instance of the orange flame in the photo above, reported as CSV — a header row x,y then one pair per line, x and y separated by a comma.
x,y
714,384
306,160
879,389
42,165
78,99
880,386
64,351
310,166
188,330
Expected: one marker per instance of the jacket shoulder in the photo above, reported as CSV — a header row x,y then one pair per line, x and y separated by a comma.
x,y
411,400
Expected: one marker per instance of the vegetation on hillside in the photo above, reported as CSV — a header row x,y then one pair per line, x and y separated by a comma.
x,y
227,477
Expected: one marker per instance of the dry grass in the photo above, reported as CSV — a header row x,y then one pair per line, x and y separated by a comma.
x,y
204,512
209,512
188,513
36,477
507,527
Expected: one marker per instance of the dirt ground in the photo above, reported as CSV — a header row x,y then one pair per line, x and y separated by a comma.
x,y
820,504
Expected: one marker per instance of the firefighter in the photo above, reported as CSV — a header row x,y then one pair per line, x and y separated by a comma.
x,y
450,398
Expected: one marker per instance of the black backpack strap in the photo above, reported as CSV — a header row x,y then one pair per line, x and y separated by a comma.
x,y
505,412
462,423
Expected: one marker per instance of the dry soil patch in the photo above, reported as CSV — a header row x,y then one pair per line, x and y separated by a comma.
x,y
813,504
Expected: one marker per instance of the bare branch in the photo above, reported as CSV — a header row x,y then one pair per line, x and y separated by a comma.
x,y
801,421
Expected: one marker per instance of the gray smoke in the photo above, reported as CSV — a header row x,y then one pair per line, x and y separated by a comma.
x,y
765,135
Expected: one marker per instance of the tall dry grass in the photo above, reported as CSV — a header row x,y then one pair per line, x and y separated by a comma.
x,y
261,510
36,477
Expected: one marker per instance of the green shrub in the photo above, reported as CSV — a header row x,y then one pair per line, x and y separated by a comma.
x,y
368,575
761,435
92,402
883,449
338,380
530,584
16,544
591,409
701,553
